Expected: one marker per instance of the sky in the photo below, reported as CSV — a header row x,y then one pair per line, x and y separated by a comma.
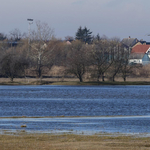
x,y
112,18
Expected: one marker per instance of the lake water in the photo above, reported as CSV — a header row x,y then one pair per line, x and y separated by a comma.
x,y
89,109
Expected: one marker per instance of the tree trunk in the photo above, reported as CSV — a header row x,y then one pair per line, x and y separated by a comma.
x,y
39,72
98,78
124,78
11,78
103,77
80,78
113,79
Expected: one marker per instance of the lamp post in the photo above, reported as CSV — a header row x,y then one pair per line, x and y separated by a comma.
x,y
30,21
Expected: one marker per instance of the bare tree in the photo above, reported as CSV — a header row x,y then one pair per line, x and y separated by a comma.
x,y
2,37
3,42
77,59
15,35
4,45
120,61
13,64
126,68
42,47
101,55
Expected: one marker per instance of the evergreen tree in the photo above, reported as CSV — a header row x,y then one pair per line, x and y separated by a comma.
x,y
79,34
84,35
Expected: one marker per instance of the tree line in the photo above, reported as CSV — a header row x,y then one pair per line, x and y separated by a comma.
x,y
96,57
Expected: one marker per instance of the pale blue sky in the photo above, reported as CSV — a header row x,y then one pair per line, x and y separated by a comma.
x,y
121,18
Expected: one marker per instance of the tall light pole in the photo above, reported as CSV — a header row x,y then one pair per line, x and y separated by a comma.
x,y
30,21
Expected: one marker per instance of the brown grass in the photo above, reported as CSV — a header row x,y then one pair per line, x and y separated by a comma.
x,y
71,142
72,81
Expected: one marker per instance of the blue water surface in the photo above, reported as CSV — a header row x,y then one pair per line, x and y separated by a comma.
x,y
121,106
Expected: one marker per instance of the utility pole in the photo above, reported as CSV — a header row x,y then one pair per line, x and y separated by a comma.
x,y
30,21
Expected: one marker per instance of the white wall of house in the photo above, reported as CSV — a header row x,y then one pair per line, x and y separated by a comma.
x,y
137,61
148,51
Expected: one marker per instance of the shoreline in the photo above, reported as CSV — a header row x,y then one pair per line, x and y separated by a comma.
x,y
76,83
72,132
58,132
73,81
24,123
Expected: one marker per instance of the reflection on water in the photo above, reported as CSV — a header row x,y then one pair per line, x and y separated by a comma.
x,y
77,101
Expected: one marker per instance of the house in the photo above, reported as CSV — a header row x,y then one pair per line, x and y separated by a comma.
x,y
129,42
141,42
140,54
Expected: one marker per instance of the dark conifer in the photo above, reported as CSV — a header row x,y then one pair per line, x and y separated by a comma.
x,y
84,35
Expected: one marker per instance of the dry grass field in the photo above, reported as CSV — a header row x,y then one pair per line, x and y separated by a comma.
x,y
72,142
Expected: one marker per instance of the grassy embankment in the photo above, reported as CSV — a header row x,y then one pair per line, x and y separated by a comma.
x,y
34,81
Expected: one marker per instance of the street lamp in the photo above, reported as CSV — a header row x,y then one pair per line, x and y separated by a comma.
x,y
30,21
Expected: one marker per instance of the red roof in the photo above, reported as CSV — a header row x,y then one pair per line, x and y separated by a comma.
x,y
140,49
